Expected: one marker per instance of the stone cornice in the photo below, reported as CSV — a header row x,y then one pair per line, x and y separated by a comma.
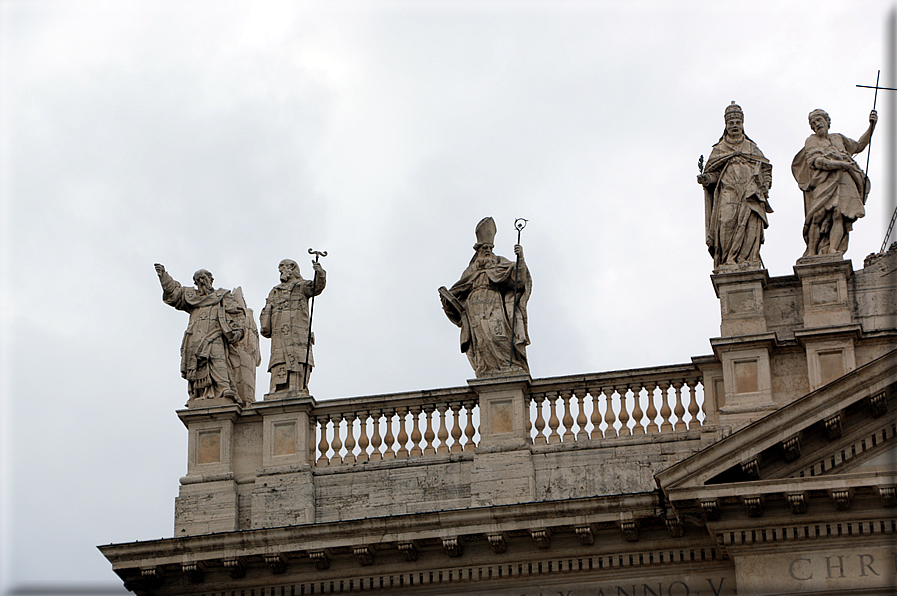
x,y
385,530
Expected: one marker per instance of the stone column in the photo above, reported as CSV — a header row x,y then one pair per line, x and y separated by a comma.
x,y
502,471
284,491
830,331
207,500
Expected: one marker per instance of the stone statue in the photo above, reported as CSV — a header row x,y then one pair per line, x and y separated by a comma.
x,y
736,185
220,350
481,303
835,188
285,320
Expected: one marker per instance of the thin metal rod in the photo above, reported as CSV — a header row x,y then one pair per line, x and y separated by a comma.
x,y
519,224
869,147
311,314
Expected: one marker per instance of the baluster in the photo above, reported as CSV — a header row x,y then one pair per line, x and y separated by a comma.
x,y
637,413
553,422
624,412
389,441
443,434
539,439
456,428
566,396
609,416
596,415
429,435
323,445
678,408
470,430
403,433
415,432
363,441
376,441
311,443
665,412
350,439
528,404
652,409
581,419
336,444
693,408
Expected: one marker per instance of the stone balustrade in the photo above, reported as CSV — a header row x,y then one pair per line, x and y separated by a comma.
x,y
620,403
375,428
561,410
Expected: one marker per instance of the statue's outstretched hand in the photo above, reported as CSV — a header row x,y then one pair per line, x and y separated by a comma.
x,y
873,118
160,269
518,250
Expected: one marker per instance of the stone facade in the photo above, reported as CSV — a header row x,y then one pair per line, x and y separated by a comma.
x,y
767,467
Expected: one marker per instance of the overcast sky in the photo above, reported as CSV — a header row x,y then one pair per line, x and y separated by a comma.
x,y
231,135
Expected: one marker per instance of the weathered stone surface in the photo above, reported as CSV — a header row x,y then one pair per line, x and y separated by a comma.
x,y
834,186
488,303
736,185
220,350
285,320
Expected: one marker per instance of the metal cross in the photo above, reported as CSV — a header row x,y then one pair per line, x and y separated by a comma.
x,y
869,153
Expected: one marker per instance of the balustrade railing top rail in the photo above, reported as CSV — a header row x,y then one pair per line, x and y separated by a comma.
x,y
618,377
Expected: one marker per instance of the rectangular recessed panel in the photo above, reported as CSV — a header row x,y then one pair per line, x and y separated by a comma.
x,y
746,377
209,446
285,439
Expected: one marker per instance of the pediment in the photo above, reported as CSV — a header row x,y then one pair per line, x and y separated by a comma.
x,y
846,428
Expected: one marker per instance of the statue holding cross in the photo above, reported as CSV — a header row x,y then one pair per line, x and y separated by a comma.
x,y
835,188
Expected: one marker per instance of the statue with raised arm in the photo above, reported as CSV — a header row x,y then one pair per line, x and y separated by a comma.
x,y
835,188
482,304
736,185
285,320
219,352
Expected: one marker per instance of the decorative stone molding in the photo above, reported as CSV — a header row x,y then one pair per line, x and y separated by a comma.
x,y
586,537
365,555
792,448
498,543
542,538
320,559
454,547
408,550
630,530
151,572
711,510
235,568
276,563
879,403
194,572
751,468
675,527
841,499
753,506
888,496
833,428
797,502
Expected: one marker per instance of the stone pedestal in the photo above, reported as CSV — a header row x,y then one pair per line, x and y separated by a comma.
x,y
741,302
502,471
829,332
744,348
824,283
284,491
207,500
747,378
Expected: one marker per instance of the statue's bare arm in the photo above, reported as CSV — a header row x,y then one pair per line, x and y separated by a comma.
x,y
865,139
